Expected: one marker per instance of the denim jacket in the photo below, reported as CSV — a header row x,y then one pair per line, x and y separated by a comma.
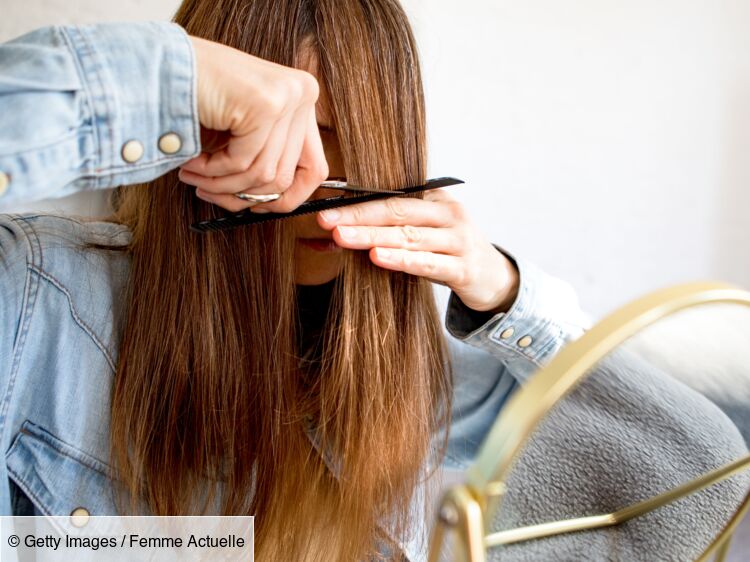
x,y
70,99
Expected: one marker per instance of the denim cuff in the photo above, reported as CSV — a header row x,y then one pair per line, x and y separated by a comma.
x,y
544,316
140,83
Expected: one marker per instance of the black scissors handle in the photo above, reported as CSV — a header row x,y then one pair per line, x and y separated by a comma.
x,y
248,218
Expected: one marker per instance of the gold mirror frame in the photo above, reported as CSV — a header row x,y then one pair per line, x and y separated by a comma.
x,y
466,509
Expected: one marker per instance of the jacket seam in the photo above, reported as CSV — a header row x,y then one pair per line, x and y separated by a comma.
x,y
114,169
96,78
85,327
30,293
37,432
33,257
84,84
26,217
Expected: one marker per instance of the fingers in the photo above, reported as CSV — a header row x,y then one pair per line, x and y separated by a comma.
x,y
431,238
228,202
290,157
436,267
300,168
311,171
257,117
396,211
261,173
264,169
236,157
427,239
227,185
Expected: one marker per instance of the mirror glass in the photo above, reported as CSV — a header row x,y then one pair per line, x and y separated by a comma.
x,y
667,406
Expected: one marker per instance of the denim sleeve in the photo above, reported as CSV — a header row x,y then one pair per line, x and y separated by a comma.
x,y
493,354
73,97
544,317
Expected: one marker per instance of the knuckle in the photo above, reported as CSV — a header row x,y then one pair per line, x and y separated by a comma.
x,y
357,214
322,171
411,235
266,174
429,266
292,90
456,209
285,179
308,86
239,165
396,206
461,239
242,166
372,235
273,104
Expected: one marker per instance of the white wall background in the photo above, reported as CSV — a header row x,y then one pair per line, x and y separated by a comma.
x,y
607,141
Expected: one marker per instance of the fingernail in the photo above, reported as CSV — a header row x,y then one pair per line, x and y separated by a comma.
x,y
382,253
347,232
331,215
259,211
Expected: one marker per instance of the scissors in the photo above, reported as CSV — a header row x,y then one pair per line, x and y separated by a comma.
x,y
361,195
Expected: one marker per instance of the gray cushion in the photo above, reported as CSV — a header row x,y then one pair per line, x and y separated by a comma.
x,y
626,433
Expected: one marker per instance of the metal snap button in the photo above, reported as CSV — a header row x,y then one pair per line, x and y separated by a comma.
x,y
132,151
170,143
525,341
507,333
79,517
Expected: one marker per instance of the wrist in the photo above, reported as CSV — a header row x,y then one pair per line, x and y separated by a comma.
x,y
508,284
511,286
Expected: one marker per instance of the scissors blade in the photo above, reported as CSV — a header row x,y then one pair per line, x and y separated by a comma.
x,y
344,186
247,217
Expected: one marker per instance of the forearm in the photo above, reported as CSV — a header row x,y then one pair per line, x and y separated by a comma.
x,y
88,107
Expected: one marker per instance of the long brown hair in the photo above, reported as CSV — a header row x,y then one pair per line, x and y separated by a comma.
x,y
210,408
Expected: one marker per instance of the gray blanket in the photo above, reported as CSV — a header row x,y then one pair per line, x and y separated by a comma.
x,y
626,433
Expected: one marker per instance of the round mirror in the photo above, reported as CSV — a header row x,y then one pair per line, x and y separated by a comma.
x,y
630,445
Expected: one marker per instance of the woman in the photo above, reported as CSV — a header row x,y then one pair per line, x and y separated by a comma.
x,y
275,370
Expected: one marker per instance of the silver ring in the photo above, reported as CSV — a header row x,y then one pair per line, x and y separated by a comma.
x,y
258,198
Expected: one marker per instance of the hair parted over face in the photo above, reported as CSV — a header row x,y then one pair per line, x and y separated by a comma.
x,y
210,406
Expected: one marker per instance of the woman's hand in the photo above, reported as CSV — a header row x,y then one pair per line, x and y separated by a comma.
x,y
260,134
432,238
